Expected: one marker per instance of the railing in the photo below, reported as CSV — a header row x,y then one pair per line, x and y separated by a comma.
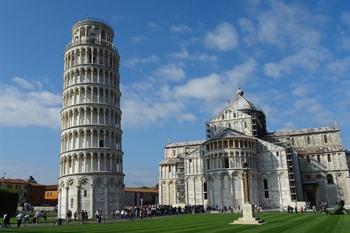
x,y
89,42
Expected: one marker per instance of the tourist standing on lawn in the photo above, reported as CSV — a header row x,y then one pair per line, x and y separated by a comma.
x,y
37,216
6,221
98,216
45,216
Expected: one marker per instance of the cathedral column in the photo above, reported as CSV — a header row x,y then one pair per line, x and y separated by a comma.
x,y
160,186
325,186
91,162
67,189
168,184
279,175
92,201
79,163
212,192
194,190
73,163
84,170
222,190
78,201
98,162
231,182
111,158
98,114
85,118
106,198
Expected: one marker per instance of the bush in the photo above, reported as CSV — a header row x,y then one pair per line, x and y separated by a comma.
x,y
8,202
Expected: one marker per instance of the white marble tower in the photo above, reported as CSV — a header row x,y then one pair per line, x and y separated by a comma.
x,y
91,158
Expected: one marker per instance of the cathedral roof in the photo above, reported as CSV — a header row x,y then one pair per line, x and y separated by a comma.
x,y
242,103
169,161
181,144
229,133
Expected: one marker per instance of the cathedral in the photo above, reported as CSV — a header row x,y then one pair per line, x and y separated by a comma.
x,y
304,167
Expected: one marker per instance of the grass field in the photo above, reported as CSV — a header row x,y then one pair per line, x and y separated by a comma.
x,y
210,223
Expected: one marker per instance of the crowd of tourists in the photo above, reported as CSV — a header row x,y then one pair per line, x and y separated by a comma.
x,y
25,217
149,211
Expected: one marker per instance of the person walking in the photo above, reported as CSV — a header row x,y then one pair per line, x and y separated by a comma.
x,y
19,218
97,216
82,216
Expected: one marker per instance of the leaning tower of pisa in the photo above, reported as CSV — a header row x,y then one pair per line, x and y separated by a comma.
x,y
91,158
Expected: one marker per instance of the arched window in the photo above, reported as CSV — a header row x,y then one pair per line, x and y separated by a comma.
x,y
325,138
308,139
226,162
330,179
266,189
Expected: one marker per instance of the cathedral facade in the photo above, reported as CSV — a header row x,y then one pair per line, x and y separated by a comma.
x,y
306,166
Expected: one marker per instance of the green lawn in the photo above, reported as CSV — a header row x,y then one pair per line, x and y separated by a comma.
x,y
277,223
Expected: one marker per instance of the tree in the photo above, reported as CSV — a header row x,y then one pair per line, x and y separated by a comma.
x,y
32,180
8,202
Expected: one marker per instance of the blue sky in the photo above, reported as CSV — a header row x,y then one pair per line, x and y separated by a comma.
x,y
180,63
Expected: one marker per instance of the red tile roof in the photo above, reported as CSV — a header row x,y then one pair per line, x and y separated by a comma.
x,y
141,190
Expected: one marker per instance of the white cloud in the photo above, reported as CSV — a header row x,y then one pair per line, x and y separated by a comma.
x,y
152,25
339,67
248,30
223,37
343,43
309,59
314,109
25,106
134,61
149,102
300,91
186,117
137,39
180,28
185,55
345,18
242,71
208,88
22,83
140,112
285,25
139,177
215,87
170,72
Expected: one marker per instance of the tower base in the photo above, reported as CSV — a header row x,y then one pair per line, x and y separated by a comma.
x,y
248,216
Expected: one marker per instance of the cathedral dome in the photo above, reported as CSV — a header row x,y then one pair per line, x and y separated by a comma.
x,y
241,103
